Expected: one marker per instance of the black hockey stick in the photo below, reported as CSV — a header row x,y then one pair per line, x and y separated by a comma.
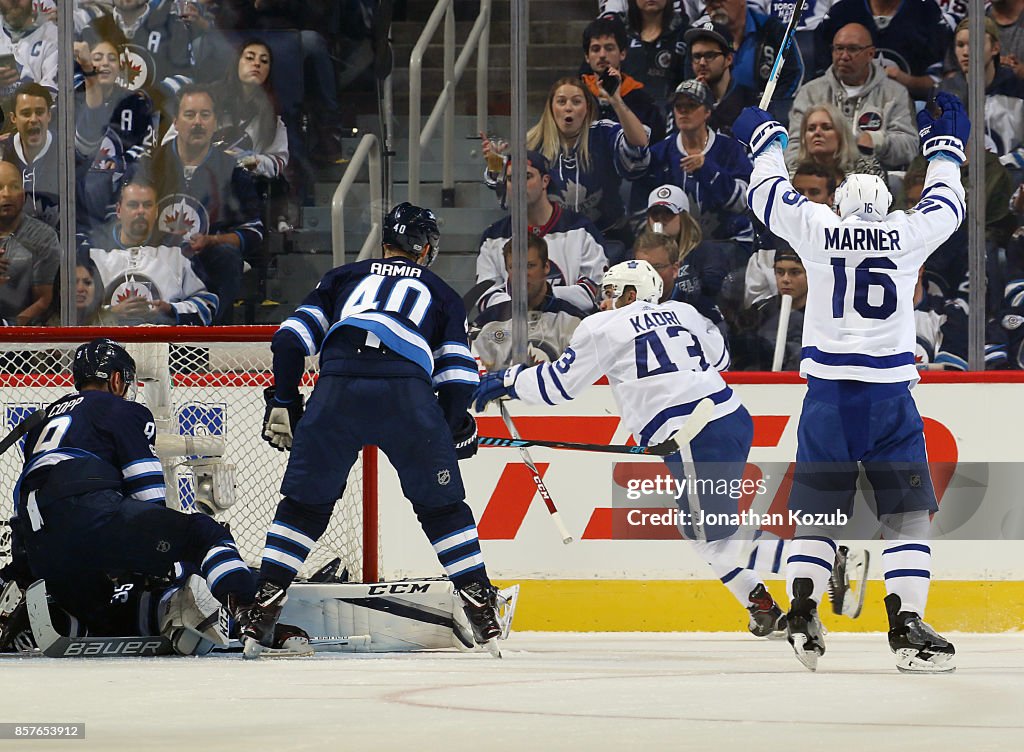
x,y
21,429
780,56
694,424
56,645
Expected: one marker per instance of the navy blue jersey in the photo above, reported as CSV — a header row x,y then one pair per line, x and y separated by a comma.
x,y
392,305
84,427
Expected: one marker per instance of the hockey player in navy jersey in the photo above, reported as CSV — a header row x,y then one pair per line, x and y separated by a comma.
x,y
661,361
395,372
858,356
89,506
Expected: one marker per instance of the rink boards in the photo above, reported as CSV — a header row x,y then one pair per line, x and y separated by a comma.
x,y
614,577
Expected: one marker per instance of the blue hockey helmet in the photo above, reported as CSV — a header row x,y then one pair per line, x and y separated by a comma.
x,y
411,229
101,359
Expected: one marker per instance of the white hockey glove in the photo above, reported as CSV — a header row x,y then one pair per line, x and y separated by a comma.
x,y
280,420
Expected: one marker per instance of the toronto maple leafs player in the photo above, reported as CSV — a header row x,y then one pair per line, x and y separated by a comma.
x,y
395,372
89,506
661,361
858,356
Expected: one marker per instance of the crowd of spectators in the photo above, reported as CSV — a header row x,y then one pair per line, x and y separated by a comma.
x,y
220,111
849,93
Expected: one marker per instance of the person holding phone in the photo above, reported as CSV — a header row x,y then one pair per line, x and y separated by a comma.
x,y
28,48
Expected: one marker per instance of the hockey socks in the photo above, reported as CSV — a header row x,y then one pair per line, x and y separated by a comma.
x,y
722,556
452,532
907,566
226,574
810,557
292,535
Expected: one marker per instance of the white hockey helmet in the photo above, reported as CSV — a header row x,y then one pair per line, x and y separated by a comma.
x,y
637,274
865,196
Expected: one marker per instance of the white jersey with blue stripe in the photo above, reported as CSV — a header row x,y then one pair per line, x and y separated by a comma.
x,y
861,274
660,359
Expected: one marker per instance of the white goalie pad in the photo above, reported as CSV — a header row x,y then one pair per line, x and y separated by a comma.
x,y
384,617
214,484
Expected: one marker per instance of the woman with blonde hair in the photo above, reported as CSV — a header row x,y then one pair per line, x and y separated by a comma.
x,y
826,139
589,157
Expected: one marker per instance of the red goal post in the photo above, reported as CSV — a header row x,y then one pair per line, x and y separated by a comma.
x,y
199,381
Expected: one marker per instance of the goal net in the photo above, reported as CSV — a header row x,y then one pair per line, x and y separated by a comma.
x,y
204,383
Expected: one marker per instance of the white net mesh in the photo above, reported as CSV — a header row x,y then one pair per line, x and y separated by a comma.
x,y
214,389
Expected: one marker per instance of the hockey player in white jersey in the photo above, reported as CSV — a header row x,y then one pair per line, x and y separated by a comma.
x,y
661,361
858,357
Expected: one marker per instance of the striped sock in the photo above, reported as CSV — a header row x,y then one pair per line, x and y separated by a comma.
x,y
226,574
908,572
293,533
812,557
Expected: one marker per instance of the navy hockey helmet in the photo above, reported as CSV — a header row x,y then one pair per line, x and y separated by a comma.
x,y
411,229
101,359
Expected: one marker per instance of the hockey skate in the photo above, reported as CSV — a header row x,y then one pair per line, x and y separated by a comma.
x,y
261,635
803,627
919,649
480,602
766,618
847,585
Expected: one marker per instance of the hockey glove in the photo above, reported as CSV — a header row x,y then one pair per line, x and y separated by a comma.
x,y
497,385
758,130
944,136
466,439
280,419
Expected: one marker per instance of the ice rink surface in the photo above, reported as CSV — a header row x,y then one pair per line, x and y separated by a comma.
x,y
551,691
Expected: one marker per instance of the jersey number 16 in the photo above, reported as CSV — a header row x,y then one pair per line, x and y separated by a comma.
x,y
866,275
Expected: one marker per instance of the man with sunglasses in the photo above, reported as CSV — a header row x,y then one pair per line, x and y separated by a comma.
x,y
877,107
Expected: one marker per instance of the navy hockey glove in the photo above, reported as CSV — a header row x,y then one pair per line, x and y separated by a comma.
x,y
497,385
466,439
946,135
757,130
280,419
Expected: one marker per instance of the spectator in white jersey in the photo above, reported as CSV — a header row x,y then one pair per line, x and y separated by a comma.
x,y
878,108
550,320
32,43
662,360
858,355
575,248
144,275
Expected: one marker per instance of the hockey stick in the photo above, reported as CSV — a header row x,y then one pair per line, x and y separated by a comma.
x,y
21,429
696,422
780,56
537,480
785,309
56,645
659,450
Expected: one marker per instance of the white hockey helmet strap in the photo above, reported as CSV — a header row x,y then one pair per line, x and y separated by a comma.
x,y
637,274
864,196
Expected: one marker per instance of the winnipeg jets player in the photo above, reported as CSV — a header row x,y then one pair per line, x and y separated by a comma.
x,y
661,361
858,356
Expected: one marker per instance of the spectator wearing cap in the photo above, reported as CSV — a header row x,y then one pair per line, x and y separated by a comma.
x,y
756,37
711,57
878,108
753,346
668,212
604,48
576,255
712,169
910,37
1004,108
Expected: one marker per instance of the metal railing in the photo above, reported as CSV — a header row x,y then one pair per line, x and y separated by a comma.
x,y
478,40
367,149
